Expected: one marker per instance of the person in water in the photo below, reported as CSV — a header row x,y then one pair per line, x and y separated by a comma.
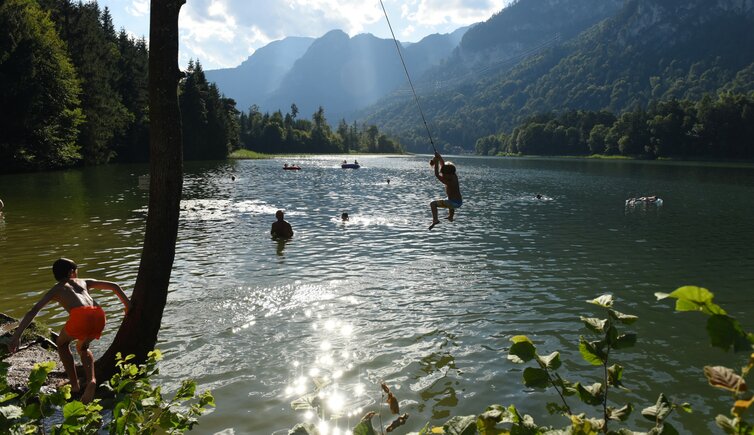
x,y
280,228
86,321
344,217
446,173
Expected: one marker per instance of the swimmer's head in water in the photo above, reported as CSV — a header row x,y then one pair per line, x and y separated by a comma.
x,y
344,216
62,268
448,168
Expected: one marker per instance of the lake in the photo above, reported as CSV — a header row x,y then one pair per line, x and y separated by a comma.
x,y
381,298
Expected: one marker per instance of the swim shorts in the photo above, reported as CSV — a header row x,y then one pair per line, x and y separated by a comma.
x,y
450,203
85,323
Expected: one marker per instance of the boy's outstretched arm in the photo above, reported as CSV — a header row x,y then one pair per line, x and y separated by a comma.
x,y
26,321
107,285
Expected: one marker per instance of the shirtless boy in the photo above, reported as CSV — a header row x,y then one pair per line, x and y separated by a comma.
x,y
281,229
446,173
86,321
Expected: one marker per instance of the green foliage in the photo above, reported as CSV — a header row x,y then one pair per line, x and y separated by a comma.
x,y
39,93
210,123
690,50
137,407
285,134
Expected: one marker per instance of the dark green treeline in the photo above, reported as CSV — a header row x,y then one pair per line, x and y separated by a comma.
x,y
278,133
74,92
719,127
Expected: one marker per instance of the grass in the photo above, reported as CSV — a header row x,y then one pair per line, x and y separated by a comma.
x,y
248,154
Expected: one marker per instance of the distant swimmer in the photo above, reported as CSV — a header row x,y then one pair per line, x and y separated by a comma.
x,y
539,196
388,181
446,173
280,228
344,217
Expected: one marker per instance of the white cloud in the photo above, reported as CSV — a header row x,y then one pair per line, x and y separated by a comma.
x,y
223,33
138,8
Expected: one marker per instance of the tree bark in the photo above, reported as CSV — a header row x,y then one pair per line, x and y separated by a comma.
x,y
138,332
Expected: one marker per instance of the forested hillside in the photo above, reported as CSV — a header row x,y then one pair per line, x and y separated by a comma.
x,y
648,52
74,91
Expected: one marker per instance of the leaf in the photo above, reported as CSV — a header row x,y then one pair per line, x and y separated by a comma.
x,y
11,412
494,414
400,421
725,378
551,361
692,298
668,429
615,376
603,301
620,414
726,332
625,341
311,429
363,428
591,394
659,411
536,378
726,424
741,406
460,425
625,319
522,350
392,403
594,324
591,353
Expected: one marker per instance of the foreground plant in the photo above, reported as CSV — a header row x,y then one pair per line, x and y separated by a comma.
x,y
726,333
137,406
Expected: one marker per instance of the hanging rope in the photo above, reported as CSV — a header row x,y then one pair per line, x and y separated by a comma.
x,y
416,98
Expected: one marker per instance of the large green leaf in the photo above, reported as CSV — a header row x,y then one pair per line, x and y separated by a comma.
x,y
591,353
603,301
536,378
692,298
726,332
522,350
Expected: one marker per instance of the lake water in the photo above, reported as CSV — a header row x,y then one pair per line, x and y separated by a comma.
x,y
381,298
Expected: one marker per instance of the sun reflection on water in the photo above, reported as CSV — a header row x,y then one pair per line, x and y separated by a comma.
x,y
324,389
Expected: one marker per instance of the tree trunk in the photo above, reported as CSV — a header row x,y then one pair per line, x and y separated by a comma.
x,y
138,332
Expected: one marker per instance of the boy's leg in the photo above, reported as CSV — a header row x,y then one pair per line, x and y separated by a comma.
x,y
87,360
451,213
435,221
64,351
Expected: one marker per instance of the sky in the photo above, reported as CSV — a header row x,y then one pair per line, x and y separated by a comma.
x,y
224,33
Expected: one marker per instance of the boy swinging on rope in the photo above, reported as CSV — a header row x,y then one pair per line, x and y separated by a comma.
x,y
446,173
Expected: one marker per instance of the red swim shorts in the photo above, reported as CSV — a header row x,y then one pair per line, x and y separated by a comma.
x,y
85,323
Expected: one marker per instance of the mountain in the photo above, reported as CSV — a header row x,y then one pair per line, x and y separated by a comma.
x,y
648,50
253,80
523,28
339,73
